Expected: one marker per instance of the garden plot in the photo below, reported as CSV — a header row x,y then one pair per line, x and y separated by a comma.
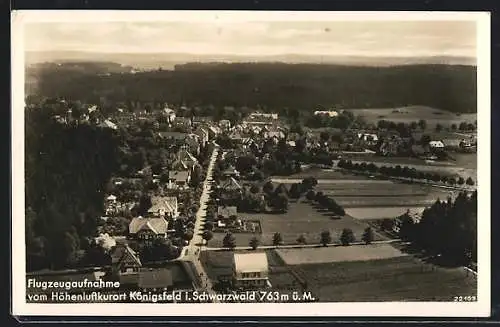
x,y
301,219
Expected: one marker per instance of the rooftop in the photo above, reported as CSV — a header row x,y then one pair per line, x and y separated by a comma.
x,y
167,204
123,254
178,175
230,184
157,225
251,262
227,212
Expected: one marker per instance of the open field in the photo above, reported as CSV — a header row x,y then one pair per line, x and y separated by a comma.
x,y
360,179
301,219
396,279
319,173
369,187
414,113
385,201
370,213
377,197
466,160
393,161
338,253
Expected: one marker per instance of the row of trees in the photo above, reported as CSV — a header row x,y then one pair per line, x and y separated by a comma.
x,y
346,238
326,202
405,129
405,172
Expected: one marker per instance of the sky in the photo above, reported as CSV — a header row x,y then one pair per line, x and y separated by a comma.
x,y
260,38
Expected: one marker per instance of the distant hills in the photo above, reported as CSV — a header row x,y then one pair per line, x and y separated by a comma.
x,y
167,61
277,86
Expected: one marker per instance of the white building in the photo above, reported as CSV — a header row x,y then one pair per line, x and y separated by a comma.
x,y
250,270
255,115
436,144
368,137
108,124
329,113
170,113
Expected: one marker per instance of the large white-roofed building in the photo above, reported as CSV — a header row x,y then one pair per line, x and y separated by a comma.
x,y
250,270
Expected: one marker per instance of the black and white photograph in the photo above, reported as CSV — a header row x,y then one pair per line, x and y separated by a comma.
x,y
251,163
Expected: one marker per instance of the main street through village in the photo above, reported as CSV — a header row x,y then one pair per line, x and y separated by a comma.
x,y
192,251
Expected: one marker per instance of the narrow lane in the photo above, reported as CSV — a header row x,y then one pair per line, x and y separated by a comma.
x,y
192,251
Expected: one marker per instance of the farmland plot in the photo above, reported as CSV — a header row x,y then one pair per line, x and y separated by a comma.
x,y
338,253
395,279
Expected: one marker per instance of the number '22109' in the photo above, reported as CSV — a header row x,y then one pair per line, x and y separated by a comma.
x,y
469,298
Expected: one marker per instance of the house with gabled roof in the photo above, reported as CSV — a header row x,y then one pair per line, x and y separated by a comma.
x,y
178,179
148,228
230,185
203,134
125,264
250,270
164,207
185,156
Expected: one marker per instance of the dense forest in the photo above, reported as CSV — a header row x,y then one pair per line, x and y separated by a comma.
x,y
447,228
275,86
66,169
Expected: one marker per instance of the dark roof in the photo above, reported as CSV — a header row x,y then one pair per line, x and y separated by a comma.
x,y
123,254
155,278
230,185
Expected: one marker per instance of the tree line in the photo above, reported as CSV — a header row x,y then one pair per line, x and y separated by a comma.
x,y
346,238
282,87
66,171
404,172
447,228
